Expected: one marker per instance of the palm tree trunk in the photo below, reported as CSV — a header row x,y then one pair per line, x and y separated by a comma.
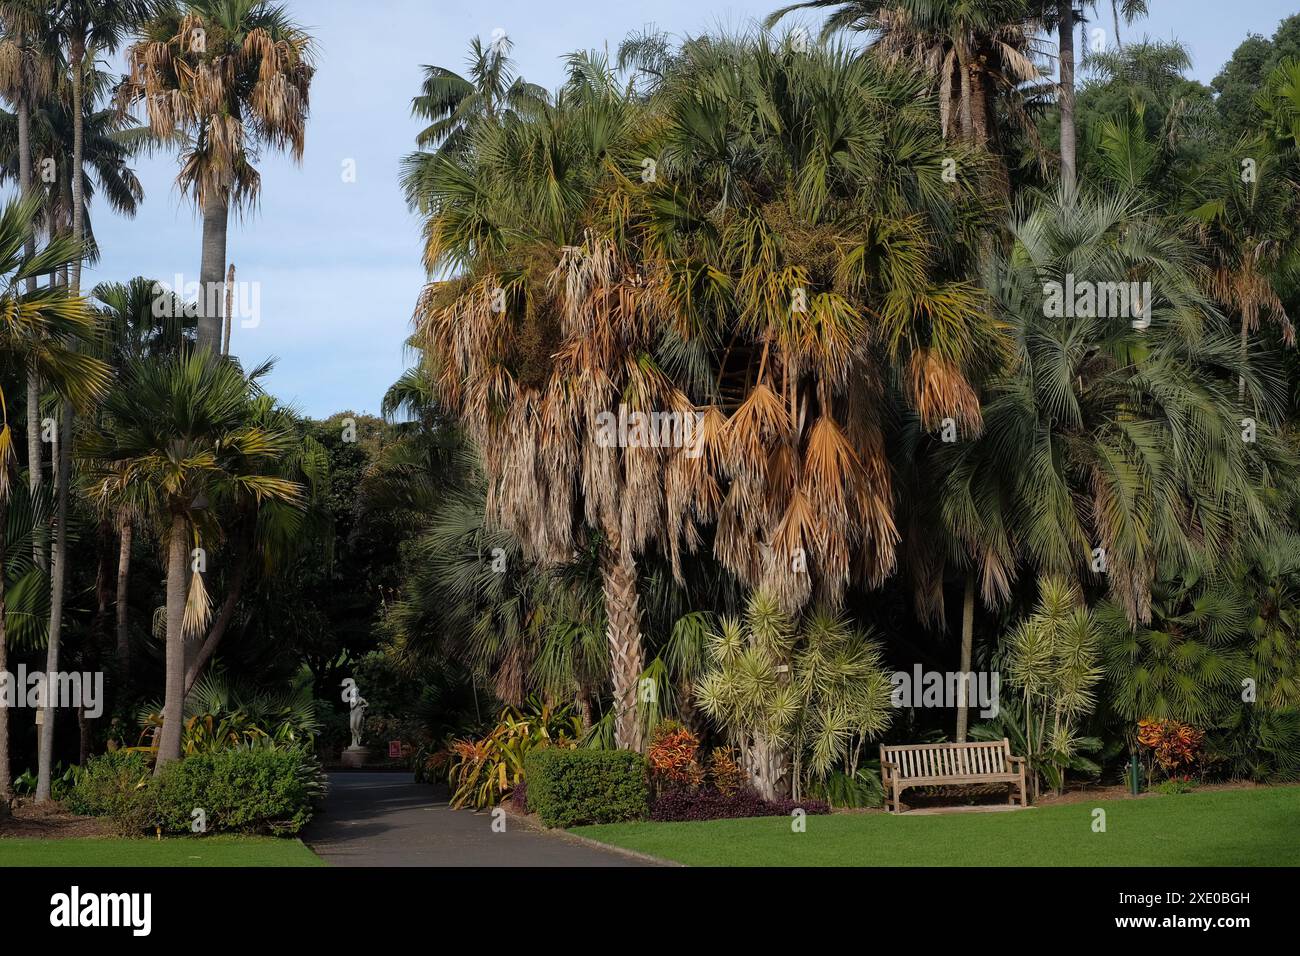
x,y
125,534
623,630
6,776
216,217
979,107
1245,355
34,453
1114,12
58,582
64,464
967,122
1065,10
169,748
230,302
967,635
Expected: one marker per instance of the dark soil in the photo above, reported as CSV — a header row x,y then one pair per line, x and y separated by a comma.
x,y
50,821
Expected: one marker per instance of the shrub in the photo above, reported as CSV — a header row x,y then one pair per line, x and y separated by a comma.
x,y
671,756
1172,744
710,804
115,785
1176,785
571,787
247,790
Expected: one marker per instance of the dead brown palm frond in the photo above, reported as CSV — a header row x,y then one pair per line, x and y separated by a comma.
x,y
761,417
938,390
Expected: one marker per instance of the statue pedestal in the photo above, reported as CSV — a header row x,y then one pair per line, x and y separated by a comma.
x,y
356,757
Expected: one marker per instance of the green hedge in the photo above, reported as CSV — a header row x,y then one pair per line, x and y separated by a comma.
x,y
242,790
572,787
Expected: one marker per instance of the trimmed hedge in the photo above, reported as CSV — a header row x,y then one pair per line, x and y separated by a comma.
x,y
241,790
244,790
573,787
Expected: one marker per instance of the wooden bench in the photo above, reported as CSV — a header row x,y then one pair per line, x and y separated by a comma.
x,y
941,765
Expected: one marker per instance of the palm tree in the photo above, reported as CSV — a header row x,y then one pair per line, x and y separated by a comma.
x,y
453,105
133,331
733,298
1128,439
38,329
79,27
1063,15
225,78
976,53
1246,225
26,76
184,431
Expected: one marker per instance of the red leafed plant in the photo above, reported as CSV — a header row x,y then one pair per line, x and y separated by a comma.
x,y
1173,744
672,755
724,772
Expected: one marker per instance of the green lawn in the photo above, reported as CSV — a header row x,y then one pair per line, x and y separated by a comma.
x,y
1258,827
174,851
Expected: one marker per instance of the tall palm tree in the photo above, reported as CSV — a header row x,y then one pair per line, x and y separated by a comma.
x,y
184,431
976,52
1246,225
27,75
1128,439
1063,15
225,78
79,27
732,290
134,331
38,329
490,92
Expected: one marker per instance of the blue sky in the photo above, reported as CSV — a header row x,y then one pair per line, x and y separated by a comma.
x,y
337,262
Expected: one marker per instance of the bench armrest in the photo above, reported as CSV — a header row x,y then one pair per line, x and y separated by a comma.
x,y
1015,760
888,763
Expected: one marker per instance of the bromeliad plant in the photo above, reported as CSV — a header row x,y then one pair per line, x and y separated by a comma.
x,y
483,772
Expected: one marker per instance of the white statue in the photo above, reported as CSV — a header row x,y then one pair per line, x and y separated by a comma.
x,y
357,720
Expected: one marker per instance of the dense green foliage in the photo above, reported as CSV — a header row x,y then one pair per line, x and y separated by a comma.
x,y
570,787
256,789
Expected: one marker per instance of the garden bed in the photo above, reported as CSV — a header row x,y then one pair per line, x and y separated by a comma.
x,y
50,821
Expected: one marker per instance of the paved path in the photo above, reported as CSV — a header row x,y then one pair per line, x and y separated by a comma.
x,y
385,819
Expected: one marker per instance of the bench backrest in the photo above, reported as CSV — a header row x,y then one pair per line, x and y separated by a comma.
x,y
972,759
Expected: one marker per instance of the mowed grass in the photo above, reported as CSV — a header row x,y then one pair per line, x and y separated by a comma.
x,y
174,851
1255,827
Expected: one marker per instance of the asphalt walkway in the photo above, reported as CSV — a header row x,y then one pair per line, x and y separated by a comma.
x,y
386,819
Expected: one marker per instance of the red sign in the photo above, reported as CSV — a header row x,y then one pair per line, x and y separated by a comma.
x,y
395,748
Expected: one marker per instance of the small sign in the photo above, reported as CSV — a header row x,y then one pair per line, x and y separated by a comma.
x,y
395,748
